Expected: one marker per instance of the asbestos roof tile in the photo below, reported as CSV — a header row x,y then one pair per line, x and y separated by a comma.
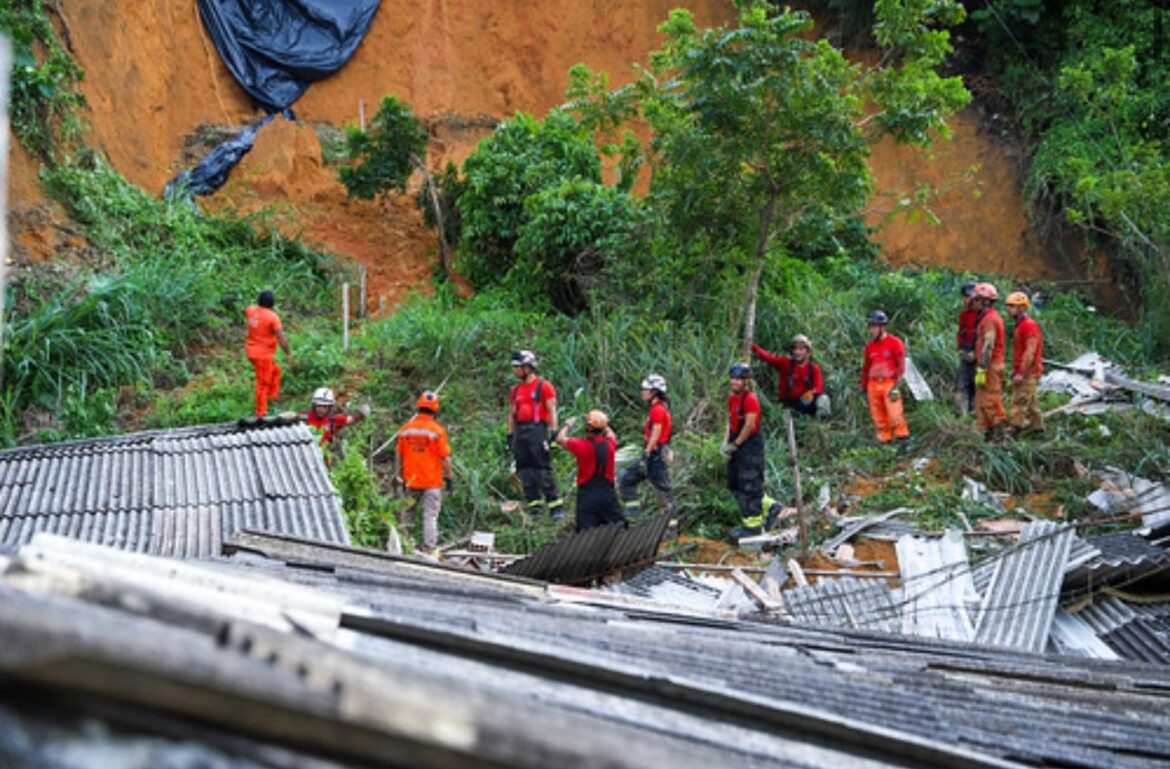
x,y
1021,598
846,602
176,492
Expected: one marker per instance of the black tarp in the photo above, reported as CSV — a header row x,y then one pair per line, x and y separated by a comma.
x,y
275,48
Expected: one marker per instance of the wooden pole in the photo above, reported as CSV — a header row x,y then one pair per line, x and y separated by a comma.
x,y
362,114
5,64
801,512
345,316
362,291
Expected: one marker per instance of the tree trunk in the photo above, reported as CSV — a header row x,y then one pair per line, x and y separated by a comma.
x,y
432,190
749,323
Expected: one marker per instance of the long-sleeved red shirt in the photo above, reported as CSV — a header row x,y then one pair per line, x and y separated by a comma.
x,y
968,319
885,358
795,378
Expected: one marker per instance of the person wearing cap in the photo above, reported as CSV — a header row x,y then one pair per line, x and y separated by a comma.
x,y
743,446
969,318
655,462
989,371
801,386
597,501
882,368
532,420
1027,365
323,419
422,466
265,332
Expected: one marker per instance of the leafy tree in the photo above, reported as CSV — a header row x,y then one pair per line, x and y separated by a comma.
x,y
522,158
570,233
761,133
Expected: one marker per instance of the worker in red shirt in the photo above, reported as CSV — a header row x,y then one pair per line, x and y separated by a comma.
x,y
423,467
882,369
801,388
656,454
743,446
265,332
968,320
1027,365
532,420
989,372
325,421
597,502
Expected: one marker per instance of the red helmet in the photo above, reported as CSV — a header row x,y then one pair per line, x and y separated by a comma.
x,y
986,291
430,401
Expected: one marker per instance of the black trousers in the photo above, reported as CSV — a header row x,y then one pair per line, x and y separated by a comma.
x,y
745,476
597,505
655,470
533,465
965,383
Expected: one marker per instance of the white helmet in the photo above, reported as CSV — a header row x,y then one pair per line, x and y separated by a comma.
x,y
654,382
524,358
323,396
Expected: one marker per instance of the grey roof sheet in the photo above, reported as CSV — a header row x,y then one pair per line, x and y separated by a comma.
x,y
846,602
1021,599
1133,631
936,587
170,492
581,557
1122,559
526,680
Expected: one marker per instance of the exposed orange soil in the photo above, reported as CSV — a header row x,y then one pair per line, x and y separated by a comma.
x,y
873,550
153,78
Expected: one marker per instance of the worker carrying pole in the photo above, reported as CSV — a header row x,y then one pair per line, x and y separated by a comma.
x,y
597,502
532,421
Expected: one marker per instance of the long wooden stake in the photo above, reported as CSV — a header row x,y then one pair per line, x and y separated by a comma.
x,y
362,291
345,316
362,114
5,64
801,512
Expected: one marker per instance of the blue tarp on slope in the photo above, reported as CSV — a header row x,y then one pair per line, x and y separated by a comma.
x,y
275,48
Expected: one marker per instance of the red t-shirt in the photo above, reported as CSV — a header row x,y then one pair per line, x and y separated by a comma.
x,y
263,324
967,321
527,406
327,425
1026,329
659,415
749,404
802,376
584,449
885,358
993,320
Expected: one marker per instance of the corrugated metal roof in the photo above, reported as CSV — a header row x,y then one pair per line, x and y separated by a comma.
x,y
1134,631
845,602
584,556
1021,599
1073,637
1121,559
936,586
170,492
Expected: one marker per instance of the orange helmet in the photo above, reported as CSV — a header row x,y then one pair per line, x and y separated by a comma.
x,y
1018,299
430,401
596,420
986,291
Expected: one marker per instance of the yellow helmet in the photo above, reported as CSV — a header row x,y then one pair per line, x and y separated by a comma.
x,y
1018,299
596,420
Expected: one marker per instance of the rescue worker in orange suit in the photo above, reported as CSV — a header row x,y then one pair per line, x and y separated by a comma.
x,y
532,421
597,501
989,374
968,320
882,369
423,467
324,420
265,332
1027,365
655,461
743,446
801,388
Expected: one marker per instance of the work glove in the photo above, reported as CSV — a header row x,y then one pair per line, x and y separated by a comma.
x,y
894,395
981,377
728,449
399,486
364,410
807,397
449,484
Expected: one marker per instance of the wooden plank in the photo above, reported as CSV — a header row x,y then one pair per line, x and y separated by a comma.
x,y
754,591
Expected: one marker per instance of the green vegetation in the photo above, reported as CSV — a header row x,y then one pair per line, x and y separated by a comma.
x,y
751,228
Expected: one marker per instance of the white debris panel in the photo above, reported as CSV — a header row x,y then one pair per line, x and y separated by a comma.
x,y
936,587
